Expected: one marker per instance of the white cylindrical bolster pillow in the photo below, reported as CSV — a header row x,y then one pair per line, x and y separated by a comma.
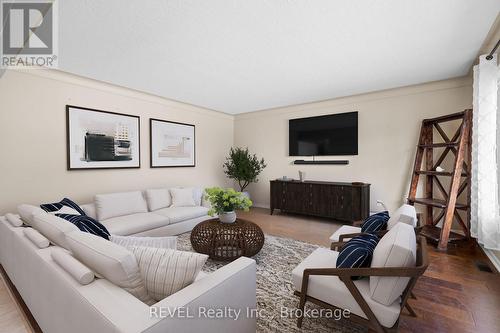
x,y
73,267
14,220
36,238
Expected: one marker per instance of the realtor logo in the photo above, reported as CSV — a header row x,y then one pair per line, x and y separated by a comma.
x,y
29,34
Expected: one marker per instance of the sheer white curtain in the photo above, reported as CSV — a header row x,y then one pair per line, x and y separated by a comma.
x,y
485,205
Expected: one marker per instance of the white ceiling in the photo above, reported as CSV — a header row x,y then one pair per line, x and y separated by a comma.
x,y
239,55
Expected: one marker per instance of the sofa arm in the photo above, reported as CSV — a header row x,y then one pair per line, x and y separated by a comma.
x,y
231,289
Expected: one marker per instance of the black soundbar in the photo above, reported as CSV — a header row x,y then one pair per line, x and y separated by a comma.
x,y
338,162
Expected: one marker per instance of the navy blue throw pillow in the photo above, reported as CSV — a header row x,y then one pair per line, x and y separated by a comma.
x,y
357,252
375,222
53,207
87,224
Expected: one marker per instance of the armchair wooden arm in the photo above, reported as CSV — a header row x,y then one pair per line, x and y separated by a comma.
x,y
344,237
349,236
335,246
368,271
346,274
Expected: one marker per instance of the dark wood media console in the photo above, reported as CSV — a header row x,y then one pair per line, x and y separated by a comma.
x,y
339,201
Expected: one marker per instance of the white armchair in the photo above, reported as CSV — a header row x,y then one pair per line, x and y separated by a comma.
x,y
405,214
376,300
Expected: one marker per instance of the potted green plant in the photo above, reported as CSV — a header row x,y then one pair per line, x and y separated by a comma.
x,y
243,167
225,201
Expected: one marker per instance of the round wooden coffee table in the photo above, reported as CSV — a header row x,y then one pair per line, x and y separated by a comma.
x,y
227,241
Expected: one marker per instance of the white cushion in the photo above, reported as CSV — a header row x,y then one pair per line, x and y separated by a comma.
x,y
182,197
397,248
158,198
28,212
406,214
169,242
54,228
179,214
113,262
90,210
135,223
332,290
343,230
119,204
197,195
36,238
166,271
14,220
73,267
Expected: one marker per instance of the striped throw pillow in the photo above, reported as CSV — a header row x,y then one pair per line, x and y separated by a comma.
x,y
357,252
166,271
87,224
168,242
375,222
53,207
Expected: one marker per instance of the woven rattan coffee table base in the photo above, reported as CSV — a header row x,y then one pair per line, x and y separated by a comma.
x,y
227,241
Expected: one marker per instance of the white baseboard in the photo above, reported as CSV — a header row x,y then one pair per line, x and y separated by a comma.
x,y
493,258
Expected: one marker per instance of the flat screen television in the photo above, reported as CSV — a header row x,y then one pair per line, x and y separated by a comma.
x,y
335,134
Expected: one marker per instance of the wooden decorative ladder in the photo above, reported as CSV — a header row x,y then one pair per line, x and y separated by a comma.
x,y
460,146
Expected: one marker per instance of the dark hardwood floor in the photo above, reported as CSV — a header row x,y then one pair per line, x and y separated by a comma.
x,y
454,295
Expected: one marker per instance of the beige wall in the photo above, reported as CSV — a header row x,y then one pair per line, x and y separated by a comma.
x,y
33,139
389,124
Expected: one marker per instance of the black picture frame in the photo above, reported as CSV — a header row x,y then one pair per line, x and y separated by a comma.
x,y
68,141
151,144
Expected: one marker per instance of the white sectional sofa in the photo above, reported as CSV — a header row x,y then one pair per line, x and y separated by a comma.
x,y
62,303
148,213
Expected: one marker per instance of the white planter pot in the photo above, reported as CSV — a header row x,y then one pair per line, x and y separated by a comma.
x,y
227,217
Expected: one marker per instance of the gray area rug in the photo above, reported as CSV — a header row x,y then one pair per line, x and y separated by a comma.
x,y
275,262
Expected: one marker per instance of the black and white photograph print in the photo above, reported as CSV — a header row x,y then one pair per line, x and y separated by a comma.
x,y
101,140
172,144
